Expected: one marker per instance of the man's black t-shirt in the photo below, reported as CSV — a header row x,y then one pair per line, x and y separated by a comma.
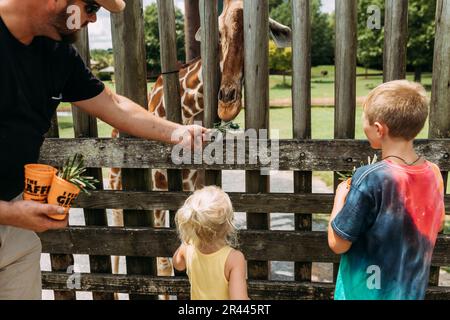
x,y
34,79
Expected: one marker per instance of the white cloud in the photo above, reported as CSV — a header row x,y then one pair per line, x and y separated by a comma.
x,y
328,6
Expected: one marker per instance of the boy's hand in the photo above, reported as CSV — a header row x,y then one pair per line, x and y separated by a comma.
x,y
341,192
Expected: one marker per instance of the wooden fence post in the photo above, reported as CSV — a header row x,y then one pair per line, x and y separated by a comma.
x,y
395,39
301,108
172,99
191,26
85,126
345,77
211,72
256,39
440,97
131,81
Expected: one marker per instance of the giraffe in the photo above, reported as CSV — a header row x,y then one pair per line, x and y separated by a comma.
x,y
231,43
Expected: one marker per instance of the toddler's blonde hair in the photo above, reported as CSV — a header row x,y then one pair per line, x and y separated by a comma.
x,y
207,217
401,105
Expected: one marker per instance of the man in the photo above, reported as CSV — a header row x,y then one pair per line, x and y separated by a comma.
x,y
39,68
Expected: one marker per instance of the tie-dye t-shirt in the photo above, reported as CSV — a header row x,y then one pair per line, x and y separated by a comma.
x,y
392,216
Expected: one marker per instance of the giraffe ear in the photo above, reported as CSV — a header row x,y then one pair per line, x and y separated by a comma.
x,y
198,35
281,34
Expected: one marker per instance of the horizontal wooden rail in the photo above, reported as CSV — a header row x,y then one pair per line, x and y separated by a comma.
x,y
149,242
303,155
274,290
242,202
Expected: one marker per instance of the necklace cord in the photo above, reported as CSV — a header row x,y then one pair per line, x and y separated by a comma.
x,y
409,164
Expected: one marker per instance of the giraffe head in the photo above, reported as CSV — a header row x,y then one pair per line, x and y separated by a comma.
x,y
231,50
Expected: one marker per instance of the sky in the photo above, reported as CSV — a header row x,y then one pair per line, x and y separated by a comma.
x,y
100,32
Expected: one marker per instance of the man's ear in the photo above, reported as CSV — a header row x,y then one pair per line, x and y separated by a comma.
x,y
281,34
198,35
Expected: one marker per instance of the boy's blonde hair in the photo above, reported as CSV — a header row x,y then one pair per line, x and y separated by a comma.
x,y
401,105
206,217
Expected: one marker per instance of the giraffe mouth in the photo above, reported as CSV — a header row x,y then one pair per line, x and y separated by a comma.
x,y
229,111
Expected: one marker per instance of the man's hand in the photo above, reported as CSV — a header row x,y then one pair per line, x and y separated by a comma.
x,y
192,136
31,215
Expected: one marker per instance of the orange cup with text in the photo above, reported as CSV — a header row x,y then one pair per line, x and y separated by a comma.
x,y
63,194
38,182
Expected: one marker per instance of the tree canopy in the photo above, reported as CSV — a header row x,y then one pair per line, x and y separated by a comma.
x,y
152,42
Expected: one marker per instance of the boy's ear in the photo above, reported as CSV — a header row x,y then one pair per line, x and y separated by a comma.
x,y
382,130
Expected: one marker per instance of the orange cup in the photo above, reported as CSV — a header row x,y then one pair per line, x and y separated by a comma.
x,y
38,180
62,193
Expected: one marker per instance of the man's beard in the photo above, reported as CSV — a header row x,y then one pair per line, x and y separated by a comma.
x,y
60,24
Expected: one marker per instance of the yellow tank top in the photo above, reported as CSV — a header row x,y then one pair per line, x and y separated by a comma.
x,y
206,274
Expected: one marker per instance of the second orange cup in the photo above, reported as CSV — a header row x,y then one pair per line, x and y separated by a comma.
x,y
62,193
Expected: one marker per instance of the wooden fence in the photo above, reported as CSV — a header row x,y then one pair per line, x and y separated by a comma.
x,y
141,243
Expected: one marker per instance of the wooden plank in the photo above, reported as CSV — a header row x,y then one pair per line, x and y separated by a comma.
x,y
440,97
171,83
170,74
60,262
256,61
131,81
301,111
53,132
395,39
191,26
169,61
273,290
440,107
85,126
345,76
302,155
209,19
151,242
242,202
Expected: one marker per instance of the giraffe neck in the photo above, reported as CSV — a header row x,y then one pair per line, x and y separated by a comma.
x,y
191,89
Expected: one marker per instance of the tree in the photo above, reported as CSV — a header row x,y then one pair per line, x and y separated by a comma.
x,y
280,59
322,32
103,59
370,40
421,30
152,37
421,36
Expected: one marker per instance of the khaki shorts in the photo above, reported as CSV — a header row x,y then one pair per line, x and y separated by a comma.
x,y
20,270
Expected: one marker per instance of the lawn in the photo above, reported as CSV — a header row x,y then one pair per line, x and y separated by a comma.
x,y
323,86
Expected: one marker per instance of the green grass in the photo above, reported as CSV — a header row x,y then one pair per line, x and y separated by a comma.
x,y
323,86
66,128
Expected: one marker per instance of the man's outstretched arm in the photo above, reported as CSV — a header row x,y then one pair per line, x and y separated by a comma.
x,y
127,116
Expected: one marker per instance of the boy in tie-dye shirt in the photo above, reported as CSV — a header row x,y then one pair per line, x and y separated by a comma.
x,y
386,224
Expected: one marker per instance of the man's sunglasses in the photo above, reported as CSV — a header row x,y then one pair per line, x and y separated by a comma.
x,y
91,7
